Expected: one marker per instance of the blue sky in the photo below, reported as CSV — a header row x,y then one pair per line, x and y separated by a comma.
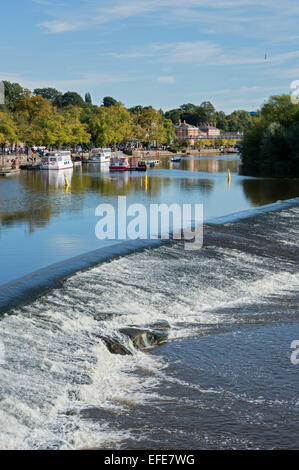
x,y
159,52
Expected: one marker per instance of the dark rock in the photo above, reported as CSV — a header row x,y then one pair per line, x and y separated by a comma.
x,y
160,325
115,347
145,338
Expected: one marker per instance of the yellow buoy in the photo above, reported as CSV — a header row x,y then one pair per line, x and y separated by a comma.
x,y
66,182
145,182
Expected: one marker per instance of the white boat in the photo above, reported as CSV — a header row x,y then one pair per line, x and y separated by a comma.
x,y
100,155
119,162
176,158
60,160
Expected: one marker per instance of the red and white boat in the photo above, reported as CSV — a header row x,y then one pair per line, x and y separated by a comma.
x,y
119,162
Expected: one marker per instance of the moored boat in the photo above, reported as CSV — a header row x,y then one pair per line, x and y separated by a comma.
x,y
60,160
119,162
100,155
176,158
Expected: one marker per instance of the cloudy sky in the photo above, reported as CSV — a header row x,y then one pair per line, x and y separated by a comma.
x,y
235,53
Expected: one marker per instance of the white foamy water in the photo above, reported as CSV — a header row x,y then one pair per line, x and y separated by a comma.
x,y
55,365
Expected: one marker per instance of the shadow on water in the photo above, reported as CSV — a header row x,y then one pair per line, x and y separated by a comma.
x,y
266,191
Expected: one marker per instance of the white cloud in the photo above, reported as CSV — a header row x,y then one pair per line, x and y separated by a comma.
x,y
54,27
203,53
167,79
259,15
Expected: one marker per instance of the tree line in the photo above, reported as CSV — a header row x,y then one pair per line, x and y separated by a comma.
x,y
48,117
270,146
238,120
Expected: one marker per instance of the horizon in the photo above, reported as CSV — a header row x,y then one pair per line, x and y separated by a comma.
x,y
154,53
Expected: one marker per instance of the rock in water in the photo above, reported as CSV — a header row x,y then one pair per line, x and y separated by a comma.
x,y
115,347
159,325
146,338
155,334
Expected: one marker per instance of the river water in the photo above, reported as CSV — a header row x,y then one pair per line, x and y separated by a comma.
x,y
223,380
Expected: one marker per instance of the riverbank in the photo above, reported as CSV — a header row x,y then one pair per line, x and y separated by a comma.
x,y
189,153
23,159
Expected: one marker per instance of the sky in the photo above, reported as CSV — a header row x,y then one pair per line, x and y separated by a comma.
x,y
234,53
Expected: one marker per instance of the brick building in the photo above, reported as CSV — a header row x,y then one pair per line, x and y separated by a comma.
x,y
210,129
184,131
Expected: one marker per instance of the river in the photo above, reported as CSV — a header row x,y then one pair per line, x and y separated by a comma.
x,y
223,380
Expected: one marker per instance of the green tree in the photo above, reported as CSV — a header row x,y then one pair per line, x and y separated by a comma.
x,y
13,94
110,125
50,94
188,108
270,146
8,131
109,101
71,130
239,120
200,143
156,128
221,121
207,112
40,123
70,98
175,115
88,99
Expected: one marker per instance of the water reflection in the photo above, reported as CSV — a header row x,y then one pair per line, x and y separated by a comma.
x,y
35,197
266,191
215,164
55,178
41,223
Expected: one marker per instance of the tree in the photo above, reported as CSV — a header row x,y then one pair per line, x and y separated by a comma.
x,y
170,134
110,125
13,94
186,143
156,128
72,131
270,146
50,94
175,115
188,108
109,101
36,122
88,99
8,131
200,143
207,111
70,98
239,120
196,114
221,121
135,109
